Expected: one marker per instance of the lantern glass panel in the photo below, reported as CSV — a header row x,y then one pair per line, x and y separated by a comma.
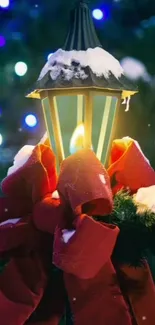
x,y
48,121
104,111
66,113
70,112
98,109
110,130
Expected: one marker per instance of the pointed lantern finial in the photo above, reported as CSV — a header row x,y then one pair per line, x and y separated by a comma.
x,y
82,34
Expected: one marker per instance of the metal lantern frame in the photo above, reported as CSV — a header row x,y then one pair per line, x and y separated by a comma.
x,y
81,37
84,115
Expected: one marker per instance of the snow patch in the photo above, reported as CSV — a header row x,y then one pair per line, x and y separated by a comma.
x,y
71,64
145,199
10,221
102,179
55,195
67,234
20,159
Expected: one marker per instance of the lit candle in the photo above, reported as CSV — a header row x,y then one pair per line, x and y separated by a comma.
x,y
77,140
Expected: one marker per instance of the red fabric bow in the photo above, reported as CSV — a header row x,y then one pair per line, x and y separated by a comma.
x,y
36,178
129,168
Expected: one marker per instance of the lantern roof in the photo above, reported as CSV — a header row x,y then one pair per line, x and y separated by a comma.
x,y
82,63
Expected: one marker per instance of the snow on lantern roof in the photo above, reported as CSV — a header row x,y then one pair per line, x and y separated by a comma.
x,y
74,64
82,63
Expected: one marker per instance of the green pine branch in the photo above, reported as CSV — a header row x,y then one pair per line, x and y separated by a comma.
x,y
137,230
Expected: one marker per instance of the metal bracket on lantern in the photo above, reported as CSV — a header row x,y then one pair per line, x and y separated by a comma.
x,y
88,118
103,127
79,109
47,118
51,115
113,115
56,128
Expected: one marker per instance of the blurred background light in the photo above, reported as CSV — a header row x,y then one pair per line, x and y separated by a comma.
x,y
17,36
98,14
2,41
31,120
1,139
4,3
135,69
21,69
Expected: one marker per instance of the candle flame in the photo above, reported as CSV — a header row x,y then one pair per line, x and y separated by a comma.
x,y
77,140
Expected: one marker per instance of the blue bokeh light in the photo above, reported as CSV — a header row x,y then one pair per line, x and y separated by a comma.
x,y
98,14
31,120
2,41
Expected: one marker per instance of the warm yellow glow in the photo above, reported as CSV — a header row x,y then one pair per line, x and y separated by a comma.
x,y
77,140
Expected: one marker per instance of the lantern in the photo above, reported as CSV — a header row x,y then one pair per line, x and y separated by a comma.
x,y
81,88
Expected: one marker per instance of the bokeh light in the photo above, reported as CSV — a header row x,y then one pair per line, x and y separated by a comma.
x,y
31,120
2,41
4,3
134,69
98,14
1,139
21,68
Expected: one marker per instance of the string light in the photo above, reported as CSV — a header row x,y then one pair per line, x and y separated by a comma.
x,y
21,68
